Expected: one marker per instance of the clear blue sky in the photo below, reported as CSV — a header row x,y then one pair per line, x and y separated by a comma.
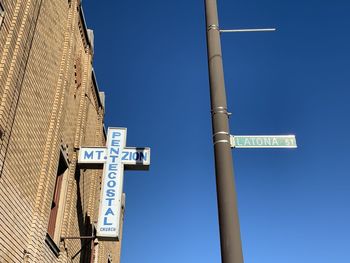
x,y
150,59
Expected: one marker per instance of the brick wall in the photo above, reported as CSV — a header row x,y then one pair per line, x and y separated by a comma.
x,y
49,103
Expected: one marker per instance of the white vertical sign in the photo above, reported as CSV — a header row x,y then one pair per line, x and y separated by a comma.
x,y
112,186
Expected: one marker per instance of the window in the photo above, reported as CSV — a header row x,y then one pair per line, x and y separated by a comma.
x,y
2,13
62,167
58,200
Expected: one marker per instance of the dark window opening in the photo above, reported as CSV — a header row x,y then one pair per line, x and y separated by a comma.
x,y
62,167
78,71
2,13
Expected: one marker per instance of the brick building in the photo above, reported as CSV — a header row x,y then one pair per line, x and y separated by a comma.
x,y
50,106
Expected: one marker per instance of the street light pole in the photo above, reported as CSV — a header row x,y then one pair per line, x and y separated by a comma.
x,y
230,239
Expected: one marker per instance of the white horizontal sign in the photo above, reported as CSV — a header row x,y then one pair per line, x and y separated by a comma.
x,y
129,156
93,155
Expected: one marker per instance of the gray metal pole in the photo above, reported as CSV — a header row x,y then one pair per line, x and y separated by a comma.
x,y
230,239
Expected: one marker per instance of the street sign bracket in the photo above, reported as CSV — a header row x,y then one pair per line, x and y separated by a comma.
x,y
244,30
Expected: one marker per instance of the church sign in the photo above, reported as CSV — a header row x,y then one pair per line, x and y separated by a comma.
x,y
114,158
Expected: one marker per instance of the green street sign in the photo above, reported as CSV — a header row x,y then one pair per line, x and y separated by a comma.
x,y
263,141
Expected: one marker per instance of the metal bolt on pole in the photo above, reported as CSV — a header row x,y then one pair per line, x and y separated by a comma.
x,y
230,238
